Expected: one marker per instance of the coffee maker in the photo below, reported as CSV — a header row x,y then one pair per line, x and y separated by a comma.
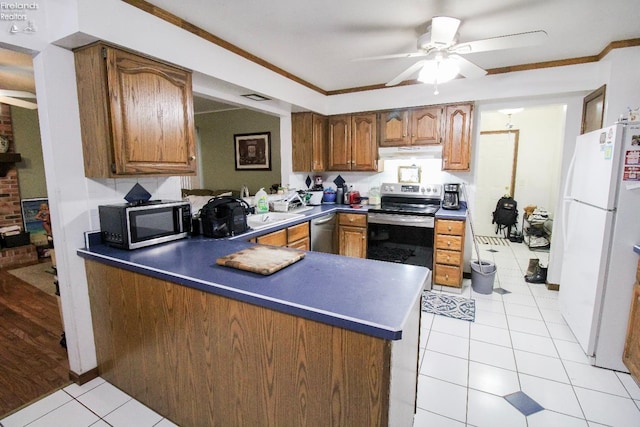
x,y
451,197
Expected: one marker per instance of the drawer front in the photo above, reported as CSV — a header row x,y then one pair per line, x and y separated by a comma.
x,y
298,232
277,238
448,275
302,244
355,220
444,241
445,226
448,257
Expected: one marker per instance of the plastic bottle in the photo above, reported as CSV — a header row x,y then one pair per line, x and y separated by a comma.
x,y
262,206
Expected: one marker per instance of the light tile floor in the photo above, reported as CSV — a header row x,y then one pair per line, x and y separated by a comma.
x,y
518,342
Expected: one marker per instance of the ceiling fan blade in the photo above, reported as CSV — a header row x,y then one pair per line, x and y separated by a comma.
x,y
502,42
406,73
18,102
17,93
444,29
467,68
394,56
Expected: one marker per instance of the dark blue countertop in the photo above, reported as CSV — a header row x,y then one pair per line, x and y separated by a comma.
x,y
460,214
367,296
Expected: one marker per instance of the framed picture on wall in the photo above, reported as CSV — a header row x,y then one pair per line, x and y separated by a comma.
x,y
253,151
35,215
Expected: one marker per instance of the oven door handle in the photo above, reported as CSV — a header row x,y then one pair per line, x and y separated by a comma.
x,y
401,220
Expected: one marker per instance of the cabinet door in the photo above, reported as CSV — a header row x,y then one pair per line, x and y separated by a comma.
x,y
394,128
456,144
151,107
425,126
301,141
339,143
308,135
353,241
318,143
364,152
631,355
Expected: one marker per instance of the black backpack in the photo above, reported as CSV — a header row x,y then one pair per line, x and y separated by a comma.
x,y
506,215
224,216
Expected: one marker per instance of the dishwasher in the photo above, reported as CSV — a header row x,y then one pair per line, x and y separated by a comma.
x,y
322,232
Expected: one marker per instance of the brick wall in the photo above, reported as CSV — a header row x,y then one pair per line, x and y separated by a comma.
x,y
10,209
10,212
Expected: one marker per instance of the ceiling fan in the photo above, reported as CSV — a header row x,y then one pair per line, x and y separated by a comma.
x,y
17,98
443,52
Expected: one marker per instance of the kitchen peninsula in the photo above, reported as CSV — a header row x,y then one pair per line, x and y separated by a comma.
x,y
329,340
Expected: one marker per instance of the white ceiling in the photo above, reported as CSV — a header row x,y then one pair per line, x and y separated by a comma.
x,y
317,40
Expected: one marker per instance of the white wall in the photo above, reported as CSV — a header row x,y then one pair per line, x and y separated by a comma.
x,y
74,198
539,151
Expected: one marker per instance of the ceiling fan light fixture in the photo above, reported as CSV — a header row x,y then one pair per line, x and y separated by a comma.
x,y
440,70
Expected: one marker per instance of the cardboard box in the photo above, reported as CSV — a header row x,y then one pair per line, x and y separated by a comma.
x,y
15,240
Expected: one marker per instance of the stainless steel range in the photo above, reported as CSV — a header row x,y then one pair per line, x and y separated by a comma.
x,y
401,228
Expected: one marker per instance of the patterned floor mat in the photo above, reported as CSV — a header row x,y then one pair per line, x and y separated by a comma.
x,y
449,306
490,240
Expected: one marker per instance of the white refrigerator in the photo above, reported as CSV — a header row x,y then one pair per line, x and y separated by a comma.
x,y
601,224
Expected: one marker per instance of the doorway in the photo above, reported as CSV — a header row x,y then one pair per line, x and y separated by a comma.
x,y
33,361
496,174
534,162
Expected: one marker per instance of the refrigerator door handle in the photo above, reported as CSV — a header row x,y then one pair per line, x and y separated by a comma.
x,y
567,197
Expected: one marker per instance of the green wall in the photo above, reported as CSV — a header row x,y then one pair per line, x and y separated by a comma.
x,y
26,135
217,149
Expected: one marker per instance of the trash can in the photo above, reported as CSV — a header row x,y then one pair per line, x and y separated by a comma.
x,y
482,280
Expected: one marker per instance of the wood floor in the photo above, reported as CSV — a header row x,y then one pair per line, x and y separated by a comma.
x,y
32,361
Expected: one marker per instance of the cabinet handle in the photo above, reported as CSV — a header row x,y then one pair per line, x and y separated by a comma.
x,y
449,228
192,157
448,257
448,243
446,276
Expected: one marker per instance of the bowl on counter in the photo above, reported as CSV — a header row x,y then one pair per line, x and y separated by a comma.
x,y
329,196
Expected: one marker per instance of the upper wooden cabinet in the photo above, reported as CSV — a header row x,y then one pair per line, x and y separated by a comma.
x,y
309,136
416,126
136,114
456,144
352,142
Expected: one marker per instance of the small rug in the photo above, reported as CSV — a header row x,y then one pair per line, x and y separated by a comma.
x,y
40,275
449,306
490,240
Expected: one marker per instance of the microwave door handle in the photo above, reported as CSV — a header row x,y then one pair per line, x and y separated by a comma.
x,y
178,218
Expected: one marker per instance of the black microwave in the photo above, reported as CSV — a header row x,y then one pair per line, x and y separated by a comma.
x,y
136,225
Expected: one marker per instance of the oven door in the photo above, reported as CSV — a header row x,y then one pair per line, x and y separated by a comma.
x,y
405,239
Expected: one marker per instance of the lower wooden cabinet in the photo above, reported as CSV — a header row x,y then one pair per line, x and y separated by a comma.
x,y
352,235
449,252
296,236
631,355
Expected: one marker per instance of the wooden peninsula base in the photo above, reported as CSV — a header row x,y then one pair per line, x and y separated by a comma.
x,y
201,359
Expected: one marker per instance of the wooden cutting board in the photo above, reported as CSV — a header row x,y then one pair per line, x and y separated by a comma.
x,y
261,259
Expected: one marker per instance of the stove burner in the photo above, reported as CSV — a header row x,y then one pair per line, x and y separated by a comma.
x,y
386,253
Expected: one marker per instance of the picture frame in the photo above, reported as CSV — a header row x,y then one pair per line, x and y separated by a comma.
x,y
33,222
252,151
409,174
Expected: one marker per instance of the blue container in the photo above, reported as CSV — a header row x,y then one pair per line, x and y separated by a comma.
x,y
329,196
